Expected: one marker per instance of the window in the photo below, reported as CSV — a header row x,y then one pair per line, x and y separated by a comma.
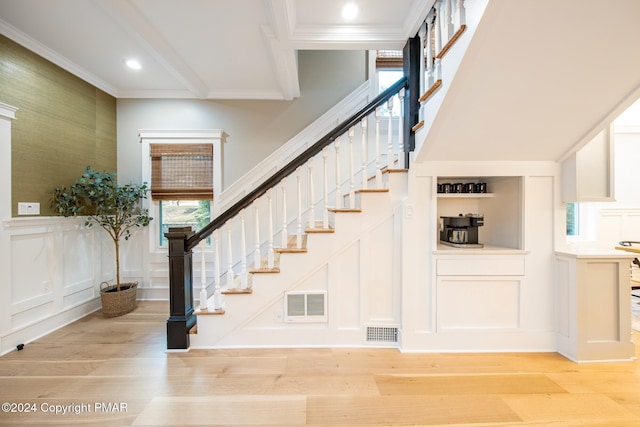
x,y
182,182
582,221
573,219
182,213
185,169
386,78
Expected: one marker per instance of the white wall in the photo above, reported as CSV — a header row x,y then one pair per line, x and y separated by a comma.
x,y
606,223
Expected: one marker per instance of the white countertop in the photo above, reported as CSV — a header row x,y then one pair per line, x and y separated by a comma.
x,y
485,250
590,252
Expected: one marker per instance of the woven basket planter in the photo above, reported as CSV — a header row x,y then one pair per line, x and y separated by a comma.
x,y
116,303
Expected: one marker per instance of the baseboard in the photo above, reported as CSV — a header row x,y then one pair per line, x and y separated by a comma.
x,y
46,325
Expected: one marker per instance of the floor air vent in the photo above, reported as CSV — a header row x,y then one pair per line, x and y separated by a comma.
x,y
382,334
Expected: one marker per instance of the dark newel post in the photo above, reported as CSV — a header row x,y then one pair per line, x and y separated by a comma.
x,y
181,318
411,68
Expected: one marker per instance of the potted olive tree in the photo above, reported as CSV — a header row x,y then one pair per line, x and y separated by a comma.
x,y
115,208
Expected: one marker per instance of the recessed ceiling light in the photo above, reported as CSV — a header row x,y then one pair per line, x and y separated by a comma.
x,y
134,64
349,11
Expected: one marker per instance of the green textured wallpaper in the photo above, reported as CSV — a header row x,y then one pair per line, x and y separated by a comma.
x,y
63,125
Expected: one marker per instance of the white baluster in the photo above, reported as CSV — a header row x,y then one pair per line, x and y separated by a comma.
x,y
299,227
284,235
390,157
438,40
378,159
218,302
363,124
352,192
229,256
438,23
422,33
401,147
446,21
460,14
429,49
203,276
338,190
243,252
325,187
312,209
257,257
271,253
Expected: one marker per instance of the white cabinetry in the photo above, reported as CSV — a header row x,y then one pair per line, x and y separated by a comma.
x,y
593,318
588,175
479,292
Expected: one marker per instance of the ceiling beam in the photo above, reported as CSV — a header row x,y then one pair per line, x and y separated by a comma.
x,y
282,17
132,21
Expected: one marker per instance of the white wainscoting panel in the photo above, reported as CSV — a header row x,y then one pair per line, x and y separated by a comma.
x,y
602,305
478,303
618,224
56,269
345,287
78,258
563,311
32,276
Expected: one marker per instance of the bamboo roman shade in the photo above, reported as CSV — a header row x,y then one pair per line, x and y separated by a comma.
x,y
389,60
181,171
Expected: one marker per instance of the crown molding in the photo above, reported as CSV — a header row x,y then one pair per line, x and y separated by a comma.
x,y
52,56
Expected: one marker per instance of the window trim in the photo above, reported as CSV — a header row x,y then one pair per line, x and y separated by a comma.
x,y
147,137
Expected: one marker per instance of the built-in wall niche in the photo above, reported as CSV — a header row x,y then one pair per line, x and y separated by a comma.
x,y
501,206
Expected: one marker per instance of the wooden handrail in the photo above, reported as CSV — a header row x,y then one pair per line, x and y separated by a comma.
x,y
300,160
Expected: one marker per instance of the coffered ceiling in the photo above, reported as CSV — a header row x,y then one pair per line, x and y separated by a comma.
x,y
207,49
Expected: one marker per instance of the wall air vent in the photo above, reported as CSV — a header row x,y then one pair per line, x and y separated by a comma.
x,y
382,334
305,306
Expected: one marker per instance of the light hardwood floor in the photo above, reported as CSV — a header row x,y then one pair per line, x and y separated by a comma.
x,y
97,362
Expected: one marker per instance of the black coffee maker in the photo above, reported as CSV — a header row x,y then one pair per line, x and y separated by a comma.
x,y
461,231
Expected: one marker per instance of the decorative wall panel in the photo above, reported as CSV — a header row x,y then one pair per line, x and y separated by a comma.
x,y
478,304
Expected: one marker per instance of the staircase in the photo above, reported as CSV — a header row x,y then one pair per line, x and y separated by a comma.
x,y
259,315
312,257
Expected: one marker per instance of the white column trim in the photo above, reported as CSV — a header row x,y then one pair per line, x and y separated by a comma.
x,y
7,115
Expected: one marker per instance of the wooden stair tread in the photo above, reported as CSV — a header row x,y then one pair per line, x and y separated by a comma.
x,y
291,250
264,270
398,170
237,291
292,246
318,227
434,87
319,230
264,265
346,210
206,311
451,42
372,190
